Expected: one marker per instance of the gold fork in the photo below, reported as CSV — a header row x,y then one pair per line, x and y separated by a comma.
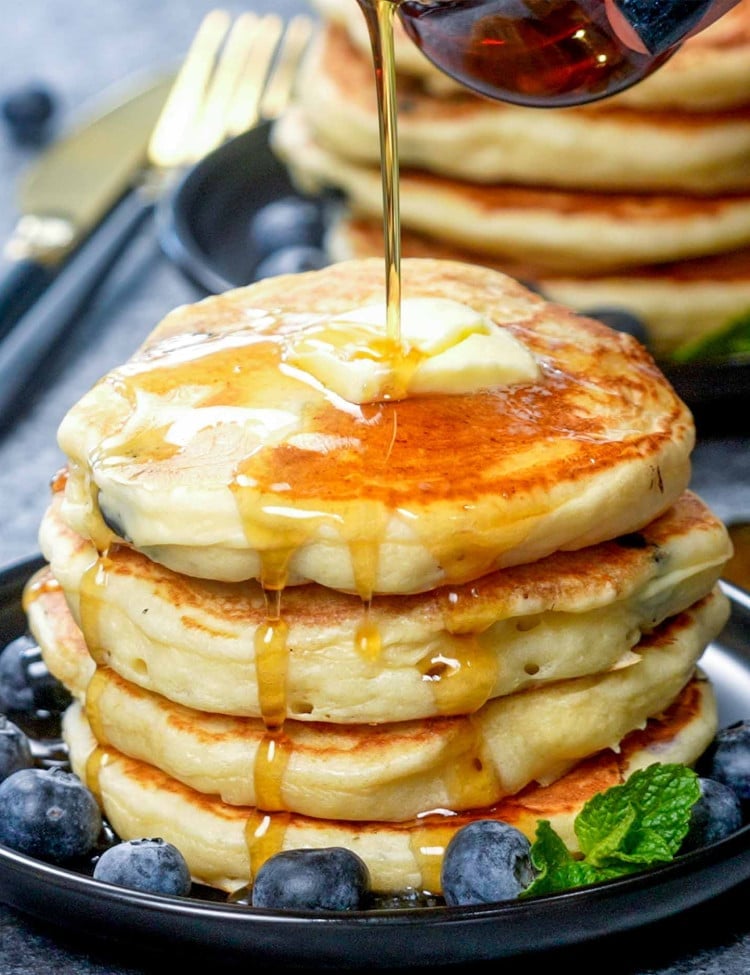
x,y
235,74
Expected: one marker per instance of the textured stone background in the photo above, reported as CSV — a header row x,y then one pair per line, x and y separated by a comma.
x,y
81,48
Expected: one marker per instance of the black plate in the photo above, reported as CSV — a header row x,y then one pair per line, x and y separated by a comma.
x,y
413,938
204,229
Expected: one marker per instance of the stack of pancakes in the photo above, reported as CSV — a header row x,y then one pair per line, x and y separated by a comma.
x,y
640,201
289,620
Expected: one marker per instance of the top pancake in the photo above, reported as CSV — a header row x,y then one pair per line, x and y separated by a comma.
x,y
711,71
212,456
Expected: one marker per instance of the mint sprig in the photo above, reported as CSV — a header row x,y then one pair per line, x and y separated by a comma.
x,y
731,340
620,831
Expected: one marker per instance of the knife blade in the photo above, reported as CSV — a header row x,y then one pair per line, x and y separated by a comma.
x,y
71,187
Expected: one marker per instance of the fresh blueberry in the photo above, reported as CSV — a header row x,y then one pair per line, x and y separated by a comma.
x,y
15,749
486,861
728,760
621,320
291,260
28,111
717,814
291,221
330,879
49,814
25,681
153,865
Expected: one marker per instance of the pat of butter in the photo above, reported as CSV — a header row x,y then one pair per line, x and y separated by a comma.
x,y
445,347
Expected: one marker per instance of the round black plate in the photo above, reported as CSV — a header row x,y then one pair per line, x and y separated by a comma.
x,y
204,228
404,938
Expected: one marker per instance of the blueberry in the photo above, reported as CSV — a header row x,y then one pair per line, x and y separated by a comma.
x,y
25,681
621,320
15,749
291,260
27,112
153,865
330,879
291,221
729,758
715,815
48,813
486,861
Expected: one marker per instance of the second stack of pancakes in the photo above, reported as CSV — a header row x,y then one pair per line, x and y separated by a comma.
x,y
639,201
293,620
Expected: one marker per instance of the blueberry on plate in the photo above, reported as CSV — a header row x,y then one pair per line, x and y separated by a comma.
x,y
291,260
729,758
621,320
291,221
15,749
27,111
49,814
486,861
717,814
152,865
329,879
25,681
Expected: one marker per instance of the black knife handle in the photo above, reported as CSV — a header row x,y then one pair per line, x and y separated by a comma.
x,y
26,346
21,283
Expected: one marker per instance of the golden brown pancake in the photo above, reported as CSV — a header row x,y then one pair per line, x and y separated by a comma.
x,y
225,845
468,137
711,71
210,455
559,231
443,652
678,301
396,771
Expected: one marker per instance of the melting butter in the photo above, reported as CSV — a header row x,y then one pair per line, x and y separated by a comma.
x,y
445,347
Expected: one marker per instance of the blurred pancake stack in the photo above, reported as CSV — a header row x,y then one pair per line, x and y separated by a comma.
x,y
640,201
306,596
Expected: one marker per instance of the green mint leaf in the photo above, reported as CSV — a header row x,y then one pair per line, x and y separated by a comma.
x,y
620,831
732,339
603,828
557,869
642,821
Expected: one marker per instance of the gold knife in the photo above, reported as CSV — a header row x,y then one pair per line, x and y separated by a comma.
x,y
71,188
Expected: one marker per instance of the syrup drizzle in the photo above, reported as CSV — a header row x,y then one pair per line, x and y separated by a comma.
x,y
379,15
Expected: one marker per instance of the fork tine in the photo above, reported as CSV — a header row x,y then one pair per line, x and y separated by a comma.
x,y
210,129
166,143
280,85
244,112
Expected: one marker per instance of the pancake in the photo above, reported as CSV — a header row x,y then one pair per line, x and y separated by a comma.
x,y
711,71
443,652
578,232
225,845
473,138
397,771
677,301
208,453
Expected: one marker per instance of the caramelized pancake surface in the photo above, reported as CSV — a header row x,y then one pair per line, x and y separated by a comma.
x,y
443,652
465,136
209,454
400,770
226,845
